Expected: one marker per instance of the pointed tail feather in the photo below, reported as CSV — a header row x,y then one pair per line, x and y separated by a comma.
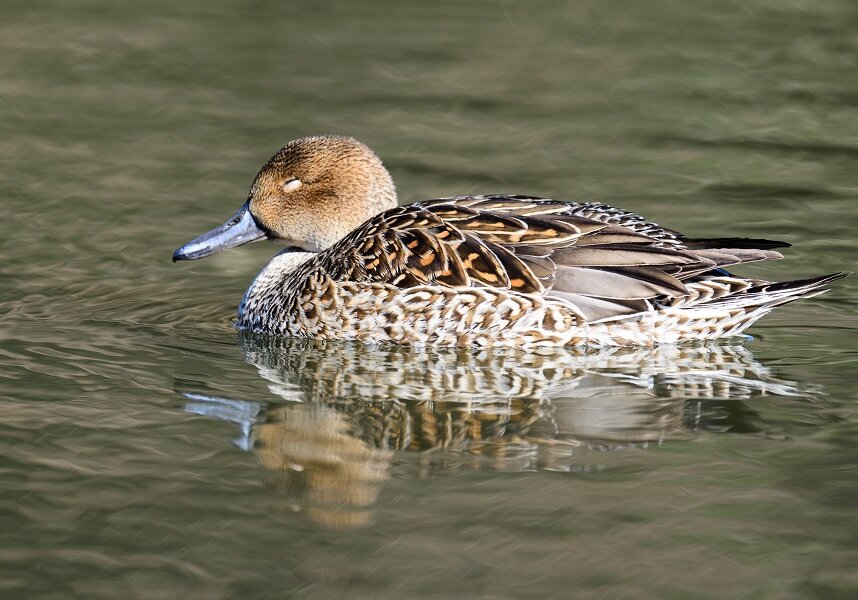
x,y
774,294
736,243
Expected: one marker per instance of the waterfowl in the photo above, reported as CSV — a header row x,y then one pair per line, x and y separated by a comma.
x,y
488,270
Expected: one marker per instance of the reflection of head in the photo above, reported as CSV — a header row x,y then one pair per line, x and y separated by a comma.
x,y
317,459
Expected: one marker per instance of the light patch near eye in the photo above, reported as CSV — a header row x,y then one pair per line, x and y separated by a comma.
x,y
291,185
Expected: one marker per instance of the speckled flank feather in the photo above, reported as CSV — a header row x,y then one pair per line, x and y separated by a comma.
x,y
484,270
434,315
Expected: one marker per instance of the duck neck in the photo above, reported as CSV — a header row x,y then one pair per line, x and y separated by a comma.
x,y
268,285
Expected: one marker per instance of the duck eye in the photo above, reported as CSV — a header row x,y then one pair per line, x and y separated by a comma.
x,y
291,185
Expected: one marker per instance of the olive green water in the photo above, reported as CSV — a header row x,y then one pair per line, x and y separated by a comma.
x,y
147,450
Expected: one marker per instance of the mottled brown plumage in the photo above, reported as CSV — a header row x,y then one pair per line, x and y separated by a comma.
x,y
479,270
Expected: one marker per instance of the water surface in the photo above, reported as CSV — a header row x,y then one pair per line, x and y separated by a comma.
x,y
148,450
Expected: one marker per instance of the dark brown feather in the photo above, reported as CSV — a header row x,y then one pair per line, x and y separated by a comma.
x,y
606,261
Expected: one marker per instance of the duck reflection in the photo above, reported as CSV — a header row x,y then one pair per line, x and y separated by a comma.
x,y
348,407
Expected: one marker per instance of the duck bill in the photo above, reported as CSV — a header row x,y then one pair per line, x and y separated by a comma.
x,y
240,229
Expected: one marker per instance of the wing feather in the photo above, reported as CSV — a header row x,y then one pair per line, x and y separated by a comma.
x,y
603,261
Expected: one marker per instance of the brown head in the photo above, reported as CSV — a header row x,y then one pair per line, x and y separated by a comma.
x,y
309,195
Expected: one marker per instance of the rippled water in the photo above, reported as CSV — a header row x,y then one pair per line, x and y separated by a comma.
x,y
148,450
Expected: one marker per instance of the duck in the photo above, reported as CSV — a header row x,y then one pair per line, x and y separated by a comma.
x,y
477,270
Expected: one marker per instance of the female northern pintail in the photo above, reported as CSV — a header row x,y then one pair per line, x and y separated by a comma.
x,y
477,270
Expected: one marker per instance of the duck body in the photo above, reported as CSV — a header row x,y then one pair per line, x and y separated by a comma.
x,y
478,270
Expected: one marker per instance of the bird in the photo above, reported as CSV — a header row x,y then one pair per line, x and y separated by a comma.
x,y
477,270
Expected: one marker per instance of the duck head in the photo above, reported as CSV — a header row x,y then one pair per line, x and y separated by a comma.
x,y
309,195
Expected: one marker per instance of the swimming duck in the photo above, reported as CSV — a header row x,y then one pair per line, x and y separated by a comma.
x,y
489,270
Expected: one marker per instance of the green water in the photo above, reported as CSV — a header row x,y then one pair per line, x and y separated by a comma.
x,y
147,450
